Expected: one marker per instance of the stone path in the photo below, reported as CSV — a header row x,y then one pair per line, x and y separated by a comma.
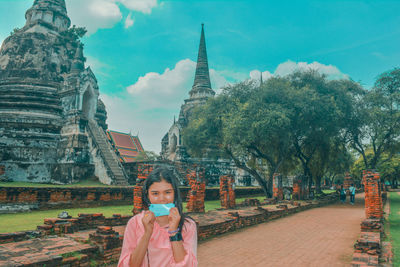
x,y
317,237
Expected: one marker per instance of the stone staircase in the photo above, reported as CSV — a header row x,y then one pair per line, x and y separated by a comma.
x,y
114,166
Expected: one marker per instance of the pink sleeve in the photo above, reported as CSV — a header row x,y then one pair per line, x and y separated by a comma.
x,y
189,235
130,242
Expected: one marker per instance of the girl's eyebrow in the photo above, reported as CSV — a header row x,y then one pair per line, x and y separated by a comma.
x,y
161,190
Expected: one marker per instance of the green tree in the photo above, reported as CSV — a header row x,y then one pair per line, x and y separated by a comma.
x,y
388,167
320,107
375,125
75,32
147,156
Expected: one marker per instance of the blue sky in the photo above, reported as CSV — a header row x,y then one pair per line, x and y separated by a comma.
x,y
143,52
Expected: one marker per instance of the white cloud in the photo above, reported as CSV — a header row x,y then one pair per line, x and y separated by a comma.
x,y
256,75
124,116
97,66
144,6
149,105
170,88
167,89
289,67
99,14
129,21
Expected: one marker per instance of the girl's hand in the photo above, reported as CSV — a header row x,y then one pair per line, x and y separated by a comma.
x,y
173,219
148,222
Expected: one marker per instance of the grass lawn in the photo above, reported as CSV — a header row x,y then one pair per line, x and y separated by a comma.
x,y
394,227
29,221
85,183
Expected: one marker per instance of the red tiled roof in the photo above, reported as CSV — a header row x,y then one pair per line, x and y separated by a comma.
x,y
127,146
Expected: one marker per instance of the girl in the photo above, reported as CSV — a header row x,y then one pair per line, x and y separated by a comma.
x,y
168,240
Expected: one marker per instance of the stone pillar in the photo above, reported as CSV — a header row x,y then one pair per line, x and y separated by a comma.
x,y
373,199
277,186
197,191
226,192
143,171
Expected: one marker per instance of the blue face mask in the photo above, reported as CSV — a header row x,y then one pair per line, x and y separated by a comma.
x,y
161,209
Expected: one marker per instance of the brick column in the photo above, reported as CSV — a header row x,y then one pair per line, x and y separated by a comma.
x,y
373,199
348,180
197,191
143,171
226,192
296,195
277,186
109,243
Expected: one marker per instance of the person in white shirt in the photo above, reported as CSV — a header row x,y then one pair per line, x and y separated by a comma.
x,y
352,191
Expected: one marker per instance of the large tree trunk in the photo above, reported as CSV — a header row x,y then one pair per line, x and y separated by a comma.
x,y
261,181
318,185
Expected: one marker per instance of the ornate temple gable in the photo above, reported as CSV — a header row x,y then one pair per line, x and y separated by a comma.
x,y
127,146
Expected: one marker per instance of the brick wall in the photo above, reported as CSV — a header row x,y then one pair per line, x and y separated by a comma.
x,y
226,192
50,198
368,248
348,180
373,198
277,186
143,172
195,198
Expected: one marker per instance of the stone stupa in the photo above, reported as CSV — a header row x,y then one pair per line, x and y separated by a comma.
x,y
51,117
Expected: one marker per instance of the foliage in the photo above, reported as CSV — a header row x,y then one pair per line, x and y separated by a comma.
x,y
76,254
375,125
15,30
387,166
147,155
29,221
275,126
75,32
394,225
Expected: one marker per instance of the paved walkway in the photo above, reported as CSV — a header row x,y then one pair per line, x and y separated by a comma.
x,y
317,237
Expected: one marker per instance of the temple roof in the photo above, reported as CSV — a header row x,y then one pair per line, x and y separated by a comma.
x,y
202,85
127,146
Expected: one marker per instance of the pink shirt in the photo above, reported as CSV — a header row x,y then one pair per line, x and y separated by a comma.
x,y
159,249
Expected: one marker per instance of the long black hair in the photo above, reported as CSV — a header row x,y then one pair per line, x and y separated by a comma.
x,y
157,175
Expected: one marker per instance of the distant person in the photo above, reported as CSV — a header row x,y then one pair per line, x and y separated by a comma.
x,y
287,193
352,191
342,193
161,236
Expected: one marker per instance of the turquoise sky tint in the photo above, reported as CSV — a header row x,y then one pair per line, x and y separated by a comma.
x,y
143,53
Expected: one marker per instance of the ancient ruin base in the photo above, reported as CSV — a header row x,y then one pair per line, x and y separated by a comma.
x,y
85,240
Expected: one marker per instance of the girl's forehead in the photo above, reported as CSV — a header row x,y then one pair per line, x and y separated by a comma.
x,y
160,186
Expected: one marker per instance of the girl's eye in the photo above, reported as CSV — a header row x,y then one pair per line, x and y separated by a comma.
x,y
155,193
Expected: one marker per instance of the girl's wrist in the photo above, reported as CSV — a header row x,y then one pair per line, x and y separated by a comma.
x,y
173,232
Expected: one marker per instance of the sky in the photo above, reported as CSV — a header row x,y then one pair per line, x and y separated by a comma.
x,y
143,52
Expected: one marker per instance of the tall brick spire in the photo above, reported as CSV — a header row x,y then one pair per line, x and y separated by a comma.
x,y
50,13
202,85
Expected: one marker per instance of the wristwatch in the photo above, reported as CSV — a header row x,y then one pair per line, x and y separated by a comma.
x,y
176,237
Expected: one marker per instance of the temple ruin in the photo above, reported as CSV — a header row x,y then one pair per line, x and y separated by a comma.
x,y
52,121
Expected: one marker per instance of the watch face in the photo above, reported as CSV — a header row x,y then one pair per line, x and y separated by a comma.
x,y
161,209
